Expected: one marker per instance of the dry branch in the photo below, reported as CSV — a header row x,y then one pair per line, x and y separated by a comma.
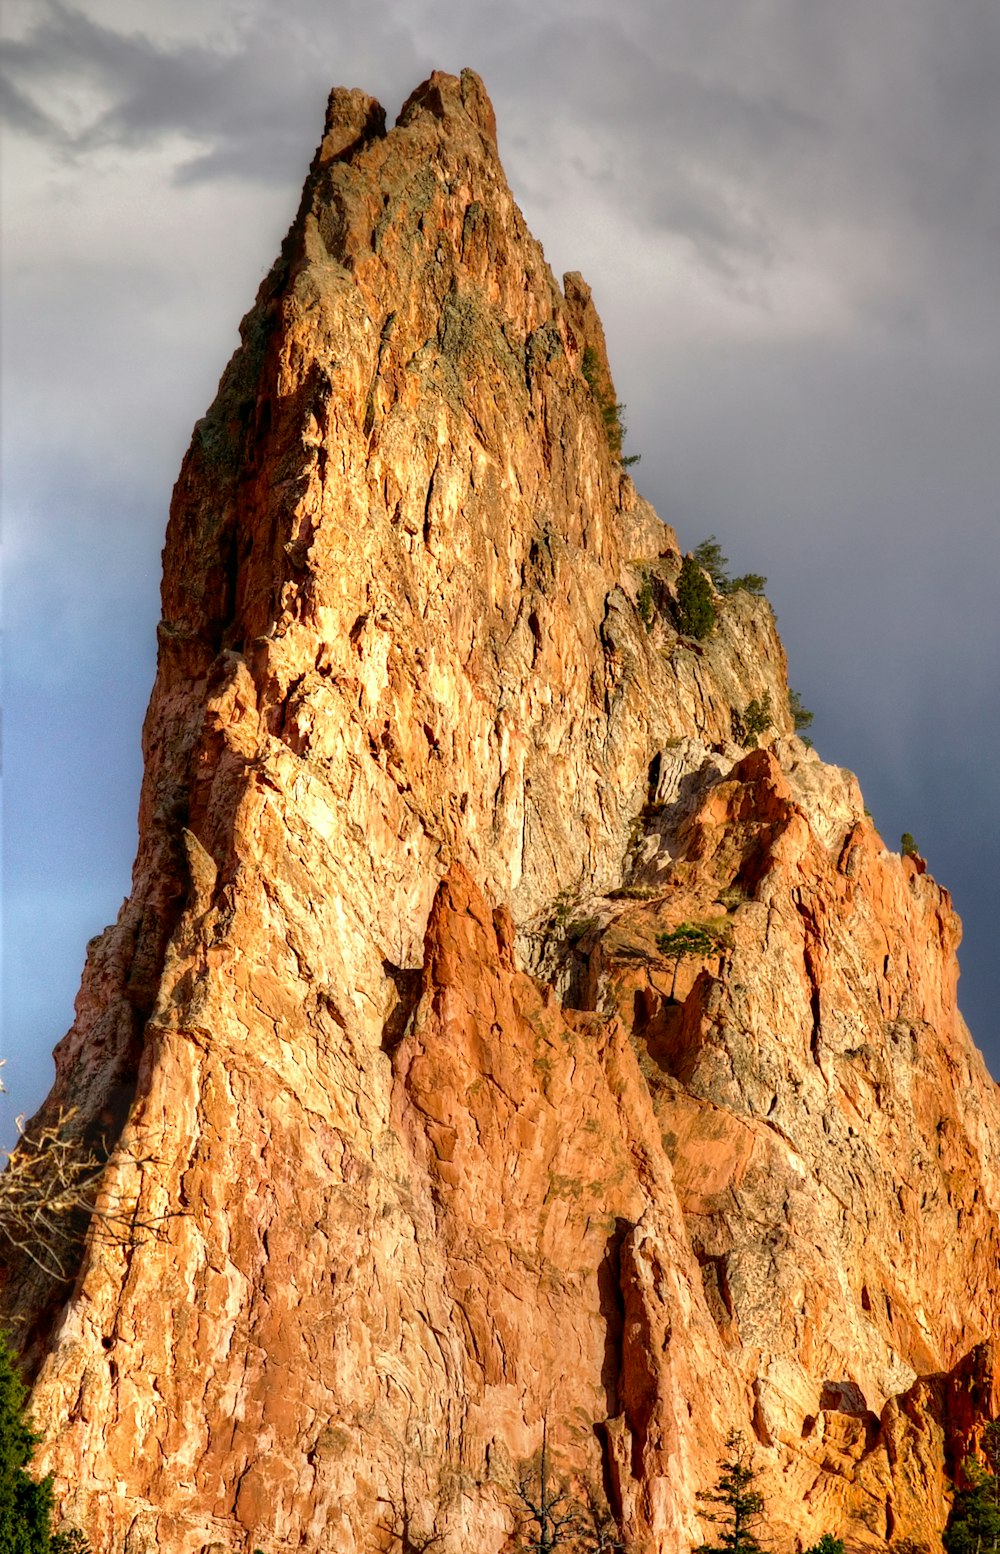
x,y
56,1186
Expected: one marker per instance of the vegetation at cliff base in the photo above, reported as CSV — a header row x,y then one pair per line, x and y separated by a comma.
x,y
735,1506
25,1502
974,1523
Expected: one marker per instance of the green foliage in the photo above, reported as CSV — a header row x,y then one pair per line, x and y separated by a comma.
x,y
692,940
828,1544
696,611
750,582
644,602
25,1502
991,1445
70,1542
974,1523
591,368
695,605
734,1505
611,412
711,560
907,845
754,720
801,716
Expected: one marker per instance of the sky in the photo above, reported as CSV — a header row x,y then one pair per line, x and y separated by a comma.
x,y
789,213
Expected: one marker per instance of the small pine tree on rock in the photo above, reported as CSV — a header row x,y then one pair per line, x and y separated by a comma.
x,y
734,1505
828,1544
711,560
695,605
753,721
801,716
692,939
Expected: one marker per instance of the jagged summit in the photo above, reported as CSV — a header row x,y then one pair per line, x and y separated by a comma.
x,y
441,1133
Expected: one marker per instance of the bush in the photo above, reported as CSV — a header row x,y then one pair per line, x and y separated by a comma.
x,y
695,605
552,1517
828,1544
907,845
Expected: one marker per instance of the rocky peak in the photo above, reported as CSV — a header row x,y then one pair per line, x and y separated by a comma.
x,y
439,1120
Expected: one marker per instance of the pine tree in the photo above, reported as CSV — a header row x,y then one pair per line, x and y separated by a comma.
x,y
711,560
691,939
695,605
740,1506
974,1524
25,1502
801,716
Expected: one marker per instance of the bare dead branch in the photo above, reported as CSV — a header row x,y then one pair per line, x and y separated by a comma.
x,y
56,1186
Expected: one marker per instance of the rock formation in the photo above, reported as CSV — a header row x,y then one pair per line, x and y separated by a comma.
x,y
430,1136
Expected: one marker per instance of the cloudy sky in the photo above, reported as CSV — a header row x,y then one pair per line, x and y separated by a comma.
x,y
789,212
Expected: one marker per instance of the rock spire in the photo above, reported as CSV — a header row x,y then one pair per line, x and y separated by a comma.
x,y
432,1136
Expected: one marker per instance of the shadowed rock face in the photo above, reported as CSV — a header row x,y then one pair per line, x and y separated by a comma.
x,y
436,1141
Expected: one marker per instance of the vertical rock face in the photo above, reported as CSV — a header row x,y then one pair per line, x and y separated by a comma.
x,y
437,1138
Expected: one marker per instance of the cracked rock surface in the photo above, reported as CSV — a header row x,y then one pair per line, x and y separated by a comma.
x,y
437,1140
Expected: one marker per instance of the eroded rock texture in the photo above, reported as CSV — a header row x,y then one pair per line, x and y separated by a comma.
x,y
437,1142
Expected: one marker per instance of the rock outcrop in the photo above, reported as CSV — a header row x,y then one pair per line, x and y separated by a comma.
x,y
429,1134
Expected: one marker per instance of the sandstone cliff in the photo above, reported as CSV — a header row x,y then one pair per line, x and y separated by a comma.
x,y
437,1142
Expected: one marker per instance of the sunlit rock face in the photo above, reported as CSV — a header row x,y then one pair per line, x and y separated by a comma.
x,y
438,1138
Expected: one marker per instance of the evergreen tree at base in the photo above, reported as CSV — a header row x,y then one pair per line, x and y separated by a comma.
x,y
741,1507
974,1524
25,1503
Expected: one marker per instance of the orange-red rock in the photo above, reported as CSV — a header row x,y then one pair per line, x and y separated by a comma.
x,y
437,1142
